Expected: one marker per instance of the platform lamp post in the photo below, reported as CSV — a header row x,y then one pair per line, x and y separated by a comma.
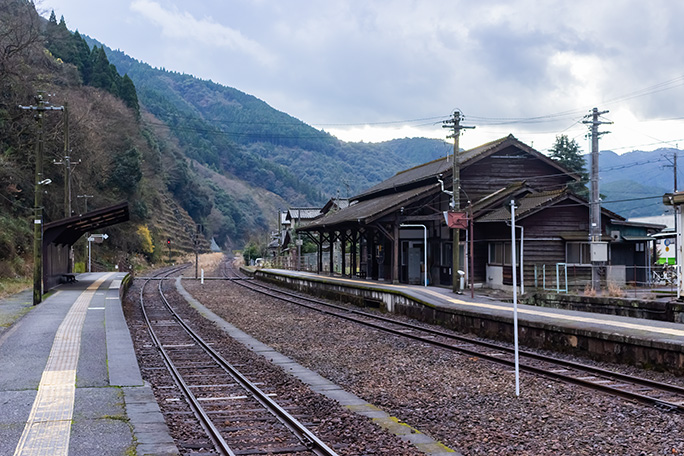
x,y
85,211
470,241
515,300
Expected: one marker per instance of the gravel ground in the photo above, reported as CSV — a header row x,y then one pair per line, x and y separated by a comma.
x,y
466,403
348,433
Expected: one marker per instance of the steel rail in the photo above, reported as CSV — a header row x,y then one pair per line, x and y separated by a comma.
x,y
303,434
614,376
212,432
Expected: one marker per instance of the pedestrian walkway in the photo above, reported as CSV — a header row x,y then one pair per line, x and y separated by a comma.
x,y
652,343
70,382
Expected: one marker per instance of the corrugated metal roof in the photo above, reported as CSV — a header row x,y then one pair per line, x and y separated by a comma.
x,y
525,206
499,195
637,238
413,175
369,210
303,213
430,170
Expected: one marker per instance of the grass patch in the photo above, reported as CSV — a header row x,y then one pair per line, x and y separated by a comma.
x,y
123,418
10,286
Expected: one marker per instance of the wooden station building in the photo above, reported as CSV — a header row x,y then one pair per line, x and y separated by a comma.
x,y
384,231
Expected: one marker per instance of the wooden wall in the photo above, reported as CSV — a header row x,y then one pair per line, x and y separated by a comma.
x,y
507,166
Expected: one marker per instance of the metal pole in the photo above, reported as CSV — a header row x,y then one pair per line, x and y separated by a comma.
x,y
472,267
522,270
299,241
677,247
515,301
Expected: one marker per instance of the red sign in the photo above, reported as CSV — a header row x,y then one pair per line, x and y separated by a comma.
x,y
456,220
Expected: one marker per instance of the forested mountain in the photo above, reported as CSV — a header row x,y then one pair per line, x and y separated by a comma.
x,y
174,147
633,183
230,130
183,151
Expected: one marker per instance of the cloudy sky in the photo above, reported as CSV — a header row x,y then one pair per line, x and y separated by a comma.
x,y
378,69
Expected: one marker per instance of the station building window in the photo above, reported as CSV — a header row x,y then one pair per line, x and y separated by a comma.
x,y
578,253
500,253
446,257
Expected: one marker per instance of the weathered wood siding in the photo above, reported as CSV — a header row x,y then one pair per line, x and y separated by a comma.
x,y
507,166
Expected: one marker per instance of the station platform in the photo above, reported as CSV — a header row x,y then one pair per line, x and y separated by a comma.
x,y
641,342
69,379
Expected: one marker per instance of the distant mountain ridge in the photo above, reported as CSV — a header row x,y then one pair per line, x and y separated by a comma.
x,y
633,183
227,129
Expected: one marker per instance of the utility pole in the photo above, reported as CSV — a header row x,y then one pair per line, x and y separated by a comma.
x,y
676,212
41,107
673,164
68,164
455,125
85,199
594,205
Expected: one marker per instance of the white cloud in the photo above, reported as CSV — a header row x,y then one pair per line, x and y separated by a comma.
x,y
178,26
355,61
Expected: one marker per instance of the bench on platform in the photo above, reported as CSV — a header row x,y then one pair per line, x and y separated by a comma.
x,y
68,278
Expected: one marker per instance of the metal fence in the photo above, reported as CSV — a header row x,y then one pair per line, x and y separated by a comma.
x,y
309,262
564,278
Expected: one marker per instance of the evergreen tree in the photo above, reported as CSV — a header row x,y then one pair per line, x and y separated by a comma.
x,y
82,58
127,171
128,94
569,155
101,70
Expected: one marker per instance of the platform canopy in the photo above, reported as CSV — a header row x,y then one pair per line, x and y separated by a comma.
x,y
67,231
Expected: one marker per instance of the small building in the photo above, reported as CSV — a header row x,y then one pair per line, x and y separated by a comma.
x,y
396,231
665,242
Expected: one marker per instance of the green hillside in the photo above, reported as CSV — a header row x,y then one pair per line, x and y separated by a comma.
x,y
633,199
180,150
235,132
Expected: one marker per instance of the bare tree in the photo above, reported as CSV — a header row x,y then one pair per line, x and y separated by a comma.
x,y
20,34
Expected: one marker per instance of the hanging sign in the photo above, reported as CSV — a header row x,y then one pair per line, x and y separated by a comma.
x,y
456,220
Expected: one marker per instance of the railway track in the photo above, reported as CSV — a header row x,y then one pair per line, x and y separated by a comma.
x,y
666,397
237,416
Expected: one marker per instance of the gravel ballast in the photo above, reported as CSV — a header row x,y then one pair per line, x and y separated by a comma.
x,y
466,403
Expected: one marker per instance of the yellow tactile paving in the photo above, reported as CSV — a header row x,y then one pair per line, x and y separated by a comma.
x,y
49,425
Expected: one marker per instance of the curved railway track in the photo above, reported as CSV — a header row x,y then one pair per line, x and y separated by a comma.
x,y
666,397
237,416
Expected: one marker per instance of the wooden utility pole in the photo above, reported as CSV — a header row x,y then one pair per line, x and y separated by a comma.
x,y
594,205
38,198
455,124
68,165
